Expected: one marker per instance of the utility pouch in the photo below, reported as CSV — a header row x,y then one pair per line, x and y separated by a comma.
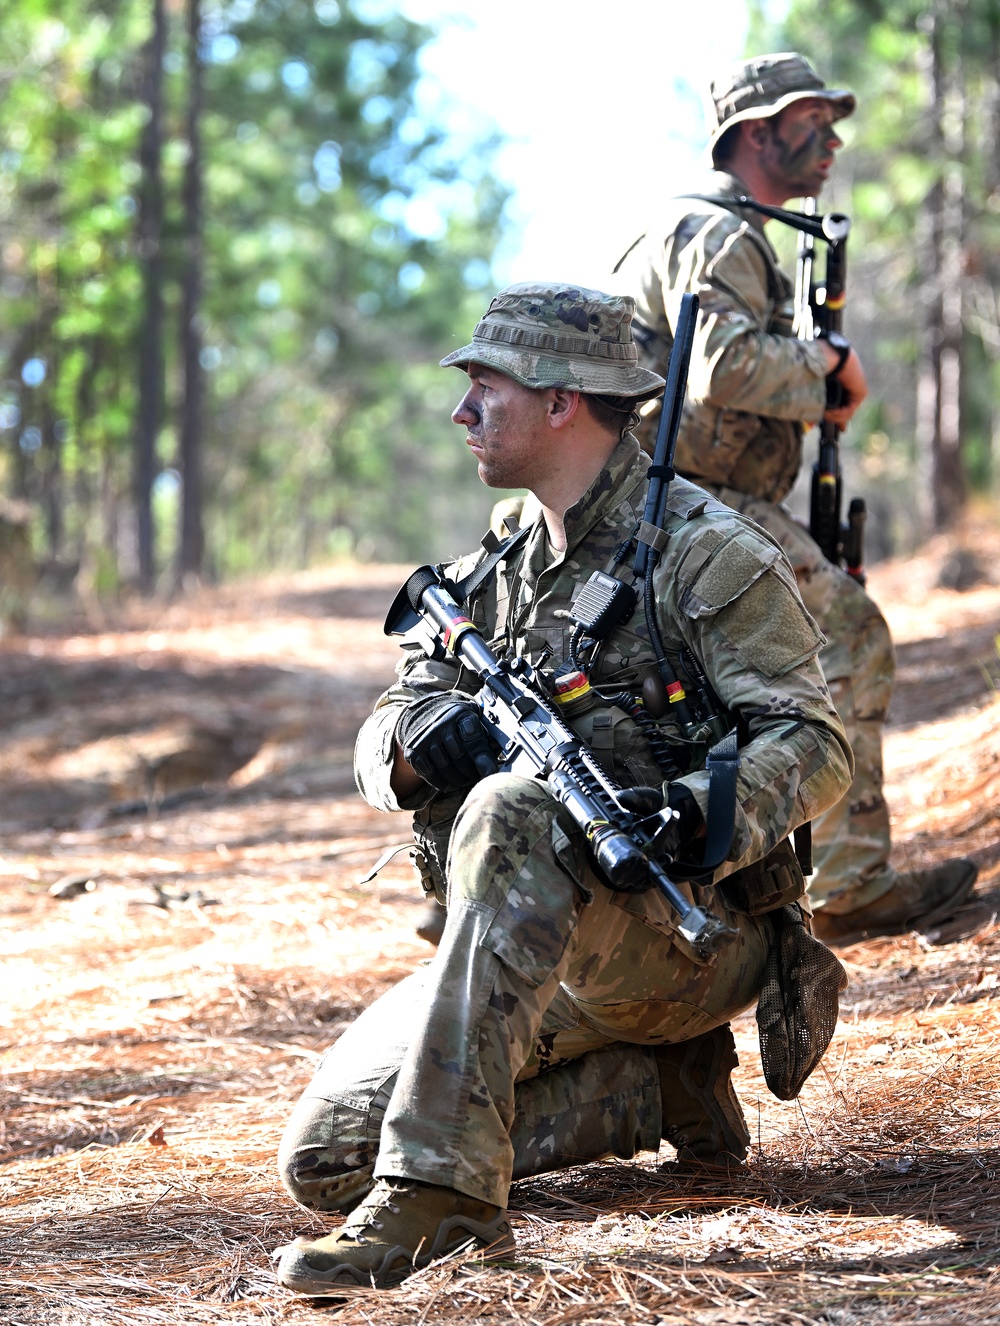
x,y
432,826
798,1005
773,882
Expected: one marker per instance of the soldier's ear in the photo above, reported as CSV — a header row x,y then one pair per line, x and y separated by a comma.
x,y
562,406
757,133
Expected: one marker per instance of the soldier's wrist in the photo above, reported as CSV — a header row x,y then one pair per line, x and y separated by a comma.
x,y
840,346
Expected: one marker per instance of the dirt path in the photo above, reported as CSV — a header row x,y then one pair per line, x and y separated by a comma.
x,y
183,777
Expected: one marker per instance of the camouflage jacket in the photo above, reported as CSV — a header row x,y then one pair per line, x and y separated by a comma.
x,y
752,385
724,591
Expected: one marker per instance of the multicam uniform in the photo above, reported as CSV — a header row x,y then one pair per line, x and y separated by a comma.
x,y
523,1046
751,388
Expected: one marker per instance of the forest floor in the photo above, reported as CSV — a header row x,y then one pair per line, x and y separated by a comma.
x,y
183,932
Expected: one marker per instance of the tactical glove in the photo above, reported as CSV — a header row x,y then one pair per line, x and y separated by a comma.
x,y
678,839
446,742
691,824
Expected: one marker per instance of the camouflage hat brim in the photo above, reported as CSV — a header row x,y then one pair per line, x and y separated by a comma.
x,y
843,102
537,370
547,334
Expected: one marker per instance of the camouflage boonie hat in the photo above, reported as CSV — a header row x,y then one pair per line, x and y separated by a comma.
x,y
560,336
759,88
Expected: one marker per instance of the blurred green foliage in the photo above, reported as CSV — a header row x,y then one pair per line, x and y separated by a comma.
x,y
347,246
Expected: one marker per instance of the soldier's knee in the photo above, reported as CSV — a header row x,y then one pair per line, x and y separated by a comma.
x,y
322,1168
494,812
313,1182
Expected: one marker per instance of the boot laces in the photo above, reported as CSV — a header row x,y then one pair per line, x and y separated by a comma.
x,y
386,1204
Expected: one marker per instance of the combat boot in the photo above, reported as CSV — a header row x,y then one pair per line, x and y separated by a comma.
x,y
702,1116
400,1226
916,900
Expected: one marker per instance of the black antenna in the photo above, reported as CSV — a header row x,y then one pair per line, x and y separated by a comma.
x,y
662,469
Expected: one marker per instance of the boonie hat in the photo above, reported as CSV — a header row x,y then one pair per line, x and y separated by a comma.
x,y
560,336
759,88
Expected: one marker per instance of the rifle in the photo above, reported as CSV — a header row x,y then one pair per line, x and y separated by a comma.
x,y
820,308
535,740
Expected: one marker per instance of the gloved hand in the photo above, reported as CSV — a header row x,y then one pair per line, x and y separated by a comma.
x,y
678,839
690,827
445,741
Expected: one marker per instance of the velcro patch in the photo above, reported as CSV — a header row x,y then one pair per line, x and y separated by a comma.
x,y
768,628
724,576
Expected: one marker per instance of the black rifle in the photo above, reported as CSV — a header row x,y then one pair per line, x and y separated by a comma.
x,y
535,740
820,308
648,537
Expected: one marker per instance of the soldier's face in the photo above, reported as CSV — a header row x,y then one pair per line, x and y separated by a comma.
x,y
504,428
798,149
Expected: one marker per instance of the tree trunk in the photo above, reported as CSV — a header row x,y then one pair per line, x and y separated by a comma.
x,y
191,548
150,236
939,372
990,156
82,411
52,477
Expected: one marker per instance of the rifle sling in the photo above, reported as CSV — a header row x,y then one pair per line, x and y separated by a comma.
x,y
723,764
466,587
809,225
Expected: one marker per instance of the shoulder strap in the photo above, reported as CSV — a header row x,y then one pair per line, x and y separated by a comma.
x,y
820,227
720,819
497,550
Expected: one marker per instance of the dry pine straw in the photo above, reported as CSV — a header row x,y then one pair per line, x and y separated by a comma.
x,y
152,1052
871,1197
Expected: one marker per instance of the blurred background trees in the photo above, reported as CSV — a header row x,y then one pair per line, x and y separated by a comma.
x,y
234,243
231,252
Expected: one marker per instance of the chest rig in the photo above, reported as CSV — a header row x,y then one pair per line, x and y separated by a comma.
x,y
649,716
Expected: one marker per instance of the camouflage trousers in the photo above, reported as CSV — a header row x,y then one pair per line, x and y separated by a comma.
x,y
851,841
521,1047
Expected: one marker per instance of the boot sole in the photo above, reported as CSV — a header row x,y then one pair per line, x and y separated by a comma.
x,y
921,922
296,1272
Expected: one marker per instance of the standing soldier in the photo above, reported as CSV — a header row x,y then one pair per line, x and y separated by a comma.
x,y
751,390
561,1021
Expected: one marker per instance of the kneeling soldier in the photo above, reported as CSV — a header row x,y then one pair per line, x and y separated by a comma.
x,y
560,1021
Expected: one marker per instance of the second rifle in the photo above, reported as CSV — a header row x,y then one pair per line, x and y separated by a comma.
x,y
819,308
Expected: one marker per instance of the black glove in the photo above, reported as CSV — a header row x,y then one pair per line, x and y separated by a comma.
x,y
691,825
677,840
446,742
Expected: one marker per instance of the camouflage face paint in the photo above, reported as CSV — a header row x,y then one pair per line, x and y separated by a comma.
x,y
795,160
800,148
500,418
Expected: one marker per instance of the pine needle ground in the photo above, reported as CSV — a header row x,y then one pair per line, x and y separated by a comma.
x,y
163,1015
